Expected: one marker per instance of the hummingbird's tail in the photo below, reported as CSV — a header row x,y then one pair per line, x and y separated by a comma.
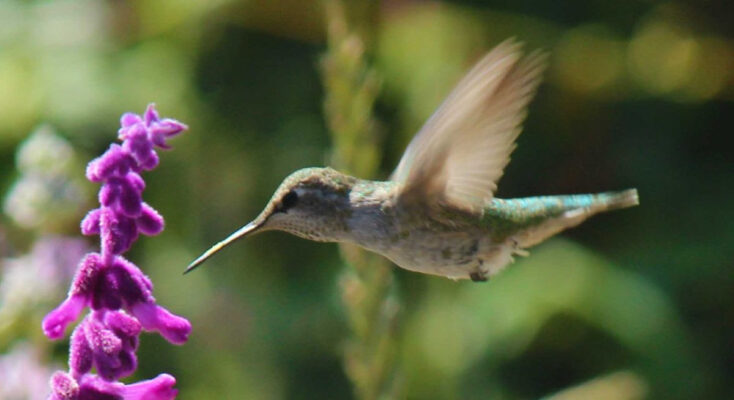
x,y
616,200
571,211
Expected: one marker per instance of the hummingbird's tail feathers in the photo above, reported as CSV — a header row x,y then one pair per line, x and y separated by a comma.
x,y
572,211
624,199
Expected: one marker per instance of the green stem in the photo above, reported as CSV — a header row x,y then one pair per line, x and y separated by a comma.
x,y
367,285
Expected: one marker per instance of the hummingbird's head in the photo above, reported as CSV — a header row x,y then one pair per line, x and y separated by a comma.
x,y
312,203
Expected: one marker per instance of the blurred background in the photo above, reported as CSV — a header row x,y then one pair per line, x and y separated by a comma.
x,y
636,304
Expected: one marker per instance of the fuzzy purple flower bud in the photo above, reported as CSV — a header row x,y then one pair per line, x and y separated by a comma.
x,y
80,354
64,387
124,194
117,232
150,222
138,144
108,341
151,115
164,129
90,223
118,293
127,120
114,162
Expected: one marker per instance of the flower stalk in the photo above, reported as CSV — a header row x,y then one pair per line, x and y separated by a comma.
x,y
118,294
368,288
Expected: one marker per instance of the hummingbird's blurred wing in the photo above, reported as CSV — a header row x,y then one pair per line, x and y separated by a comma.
x,y
459,154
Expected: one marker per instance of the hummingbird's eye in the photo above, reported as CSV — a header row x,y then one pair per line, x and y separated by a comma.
x,y
289,200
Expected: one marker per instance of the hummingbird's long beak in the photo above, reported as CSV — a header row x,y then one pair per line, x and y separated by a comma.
x,y
245,230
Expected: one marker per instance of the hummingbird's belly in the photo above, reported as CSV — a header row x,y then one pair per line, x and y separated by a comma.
x,y
431,247
455,255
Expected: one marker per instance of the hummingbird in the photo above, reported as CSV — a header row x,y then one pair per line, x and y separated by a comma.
x,y
437,213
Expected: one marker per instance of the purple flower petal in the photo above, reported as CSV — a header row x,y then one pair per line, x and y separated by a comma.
x,y
150,222
164,129
151,115
159,388
160,141
170,127
129,119
56,321
90,223
153,317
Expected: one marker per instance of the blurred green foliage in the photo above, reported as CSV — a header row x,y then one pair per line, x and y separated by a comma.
x,y
632,304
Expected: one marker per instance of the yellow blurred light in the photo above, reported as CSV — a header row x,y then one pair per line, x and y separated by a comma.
x,y
663,57
714,69
588,59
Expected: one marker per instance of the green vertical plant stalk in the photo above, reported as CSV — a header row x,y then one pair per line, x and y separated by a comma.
x,y
367,285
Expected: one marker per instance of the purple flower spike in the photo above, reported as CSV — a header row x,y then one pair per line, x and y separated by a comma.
x,y
117,291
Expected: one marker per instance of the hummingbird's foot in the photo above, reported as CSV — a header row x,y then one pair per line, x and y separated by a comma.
x,y
478,276
517,250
